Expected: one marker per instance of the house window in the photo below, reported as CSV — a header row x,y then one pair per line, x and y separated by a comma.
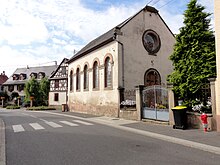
x,y
151,41
95,75
15,77
77,79
41,75
56,96
71,80
11,88
22,77
20,87
108,73
86,77
63,70
152,77
56,83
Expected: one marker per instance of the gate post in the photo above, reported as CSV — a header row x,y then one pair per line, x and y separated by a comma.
x,y
213,101
139,101
171,102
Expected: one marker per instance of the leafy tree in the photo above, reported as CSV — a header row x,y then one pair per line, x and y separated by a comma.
x,y
32,89
194,53
39,90
44,89
4,94
14,95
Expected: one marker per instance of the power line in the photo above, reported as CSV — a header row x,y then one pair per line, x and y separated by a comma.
x,y
165,4
155,2
149,2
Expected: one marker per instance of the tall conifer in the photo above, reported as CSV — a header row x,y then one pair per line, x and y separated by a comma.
x,y
194,53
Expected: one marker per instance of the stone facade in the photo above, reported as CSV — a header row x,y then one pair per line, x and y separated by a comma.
x,y
130,61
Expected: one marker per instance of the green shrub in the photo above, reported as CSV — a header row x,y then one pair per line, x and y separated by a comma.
x,y
13,107
40,108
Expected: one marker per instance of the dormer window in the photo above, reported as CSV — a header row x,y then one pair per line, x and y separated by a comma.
x,y
33,75
22,76
41,75
15,77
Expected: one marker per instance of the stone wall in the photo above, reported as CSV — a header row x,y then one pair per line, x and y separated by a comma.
x,y
193,121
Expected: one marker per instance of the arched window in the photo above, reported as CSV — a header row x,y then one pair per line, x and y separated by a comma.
x,y
108,73
71,80
152,77
77,79
86,77
95,75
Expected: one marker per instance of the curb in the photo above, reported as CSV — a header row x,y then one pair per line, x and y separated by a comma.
x,y
2,142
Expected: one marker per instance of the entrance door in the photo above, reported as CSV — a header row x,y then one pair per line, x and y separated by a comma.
x,y
155,97
155,103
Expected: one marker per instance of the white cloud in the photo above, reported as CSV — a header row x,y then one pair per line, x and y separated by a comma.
x,y
21,28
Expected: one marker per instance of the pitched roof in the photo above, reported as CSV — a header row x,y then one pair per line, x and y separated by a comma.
x,y
48,70
107,37
63,61
3,78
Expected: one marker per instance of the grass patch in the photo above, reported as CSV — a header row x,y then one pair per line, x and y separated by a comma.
x,y
40,108
13,107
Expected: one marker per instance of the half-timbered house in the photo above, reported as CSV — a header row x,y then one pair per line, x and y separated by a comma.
x,y
59,84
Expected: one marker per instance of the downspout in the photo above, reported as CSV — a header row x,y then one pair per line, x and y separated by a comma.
x,y
121,87
118,32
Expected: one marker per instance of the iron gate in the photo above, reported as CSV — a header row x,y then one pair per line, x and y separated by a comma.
x,y
155,103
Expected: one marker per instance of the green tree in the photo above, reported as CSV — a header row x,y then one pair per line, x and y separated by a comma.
x,y
194,53
38,89
44,89
32,89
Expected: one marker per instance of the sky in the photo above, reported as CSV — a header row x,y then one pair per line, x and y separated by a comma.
x,y
40,32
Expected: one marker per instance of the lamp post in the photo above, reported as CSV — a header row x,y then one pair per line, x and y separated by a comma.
x,y
2,101
31,98
18,100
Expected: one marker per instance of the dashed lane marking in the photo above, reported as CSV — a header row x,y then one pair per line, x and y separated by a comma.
x,y
18,128
36,126
69,123
82,122
54,125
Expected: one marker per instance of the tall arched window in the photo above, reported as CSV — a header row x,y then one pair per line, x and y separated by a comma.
x,y
86,77
95,75
77,79
108,72
71,80
152,77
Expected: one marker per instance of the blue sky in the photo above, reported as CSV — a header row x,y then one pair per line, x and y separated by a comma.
x,y
39,32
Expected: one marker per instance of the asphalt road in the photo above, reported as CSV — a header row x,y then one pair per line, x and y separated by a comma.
x,y
34,138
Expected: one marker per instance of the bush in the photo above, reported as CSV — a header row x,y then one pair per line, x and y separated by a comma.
x,y
40,108
13,107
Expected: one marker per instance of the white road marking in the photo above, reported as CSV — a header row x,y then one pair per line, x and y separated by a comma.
x,y
18,128
82,122
36,126
69,123
52,124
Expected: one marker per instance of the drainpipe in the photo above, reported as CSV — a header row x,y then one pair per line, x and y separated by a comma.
x,y
121,87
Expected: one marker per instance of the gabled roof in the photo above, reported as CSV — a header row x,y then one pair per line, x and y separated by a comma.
x,y
28,70
3,78
107,37
63,61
